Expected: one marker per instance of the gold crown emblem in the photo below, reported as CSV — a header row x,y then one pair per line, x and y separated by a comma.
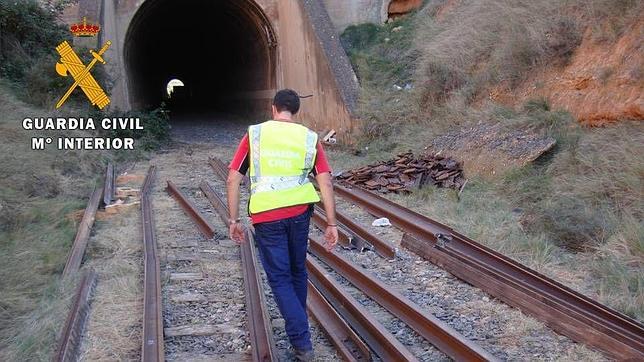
x,y
84,29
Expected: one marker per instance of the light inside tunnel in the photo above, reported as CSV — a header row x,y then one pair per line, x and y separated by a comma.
x,y
223,51
172,84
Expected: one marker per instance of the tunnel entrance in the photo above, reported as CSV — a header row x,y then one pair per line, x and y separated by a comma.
x,y
223,52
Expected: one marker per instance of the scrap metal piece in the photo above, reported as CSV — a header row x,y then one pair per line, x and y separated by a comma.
x,y
75,256
191,210
109,189
152,347
70,338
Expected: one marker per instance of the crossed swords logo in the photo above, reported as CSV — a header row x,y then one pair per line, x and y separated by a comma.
x,y
70,63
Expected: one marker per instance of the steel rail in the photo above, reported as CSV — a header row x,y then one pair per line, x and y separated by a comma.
x,y
258,319
215,164
221,170
437,332
561,308
110,186
349,345
70,338
381,341
152,348
206,228
559,317
75,256
381,247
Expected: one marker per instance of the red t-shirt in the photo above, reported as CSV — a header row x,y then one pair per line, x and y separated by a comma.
x,y
241,162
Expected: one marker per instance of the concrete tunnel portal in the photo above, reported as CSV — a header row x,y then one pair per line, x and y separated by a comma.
x,y
224,52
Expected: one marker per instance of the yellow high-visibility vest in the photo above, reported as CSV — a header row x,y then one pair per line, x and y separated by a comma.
x,y
282,154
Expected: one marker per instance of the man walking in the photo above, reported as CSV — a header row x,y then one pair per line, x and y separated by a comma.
x,y
280,154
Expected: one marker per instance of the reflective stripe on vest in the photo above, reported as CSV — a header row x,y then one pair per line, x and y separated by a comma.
x,y
280,165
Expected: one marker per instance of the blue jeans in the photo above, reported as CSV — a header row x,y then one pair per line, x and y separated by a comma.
x,y
282,248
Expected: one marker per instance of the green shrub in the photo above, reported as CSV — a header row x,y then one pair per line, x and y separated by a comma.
x,y
383,58
360,37
155,132
381,55
537,105
28,33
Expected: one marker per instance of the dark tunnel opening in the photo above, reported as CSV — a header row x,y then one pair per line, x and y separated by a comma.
x,y
222,51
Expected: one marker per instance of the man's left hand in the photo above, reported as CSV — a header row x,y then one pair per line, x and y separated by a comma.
x,y
331,237
236,231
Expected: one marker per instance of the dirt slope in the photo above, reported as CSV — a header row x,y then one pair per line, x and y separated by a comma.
x,y
602,83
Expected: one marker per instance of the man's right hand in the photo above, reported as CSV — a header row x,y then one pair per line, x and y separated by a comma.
x,y
331,237
236,231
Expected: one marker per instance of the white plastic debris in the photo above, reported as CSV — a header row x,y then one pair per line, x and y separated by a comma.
x,y
381,222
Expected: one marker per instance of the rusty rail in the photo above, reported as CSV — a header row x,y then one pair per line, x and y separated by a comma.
x,y
110,186
221,170
347,342
561,308
215,164
70,338
191,210
75,256
152,349
426,325
258,320
381,341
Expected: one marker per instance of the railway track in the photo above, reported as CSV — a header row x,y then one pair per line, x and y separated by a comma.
x,y
204,274
206,296
259,322
203,310
70,339
380,340
564,310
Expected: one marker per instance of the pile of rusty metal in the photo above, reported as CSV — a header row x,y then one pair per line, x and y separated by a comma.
x,y
406,172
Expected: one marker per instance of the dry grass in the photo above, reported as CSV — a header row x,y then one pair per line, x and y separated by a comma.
x,y
484,42
114,328
39,191
451,59
478,44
